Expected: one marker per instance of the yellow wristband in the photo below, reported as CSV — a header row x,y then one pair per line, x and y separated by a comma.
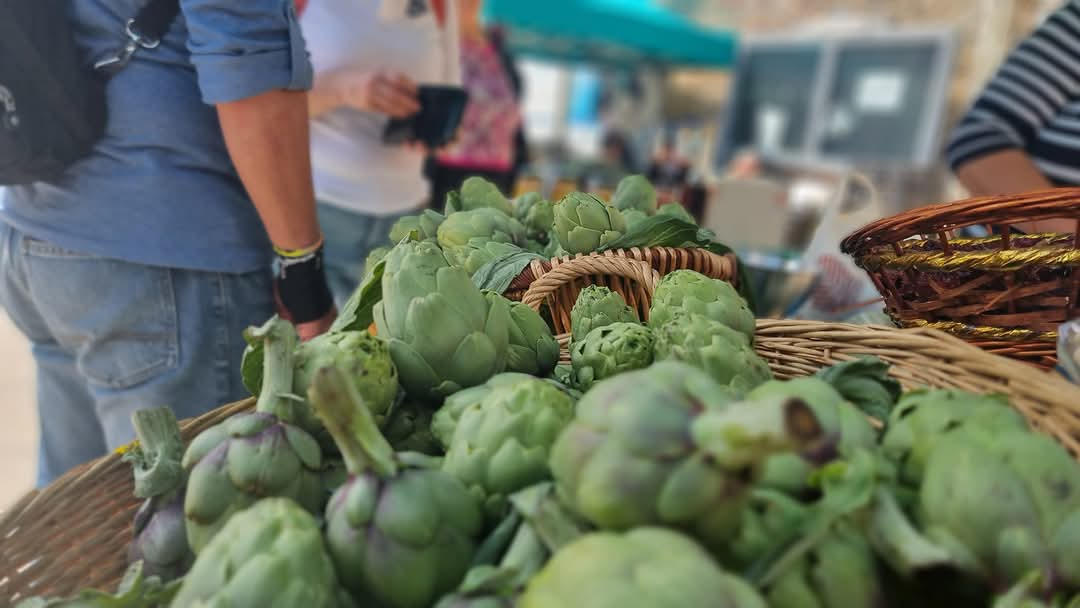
x,y
299,253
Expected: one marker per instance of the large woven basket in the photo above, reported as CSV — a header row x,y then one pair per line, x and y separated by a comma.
x,y
73,534
1006,293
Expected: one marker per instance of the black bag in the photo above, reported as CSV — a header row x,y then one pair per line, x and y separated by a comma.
x,y
52,104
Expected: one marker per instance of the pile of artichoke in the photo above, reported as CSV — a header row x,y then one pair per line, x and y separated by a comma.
x,y
431,452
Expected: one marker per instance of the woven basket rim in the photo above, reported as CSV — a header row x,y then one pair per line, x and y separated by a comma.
x,y
1001,210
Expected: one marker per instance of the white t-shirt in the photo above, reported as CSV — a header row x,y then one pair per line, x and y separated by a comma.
x,y
353,169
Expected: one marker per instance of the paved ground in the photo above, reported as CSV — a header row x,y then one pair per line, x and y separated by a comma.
x,y
18,431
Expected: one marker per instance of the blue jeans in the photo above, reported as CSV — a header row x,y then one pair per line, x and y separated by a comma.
x,y
111,337
349,237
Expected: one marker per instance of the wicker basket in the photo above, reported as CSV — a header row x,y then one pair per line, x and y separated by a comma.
x,y
73,534
627,271
1006,294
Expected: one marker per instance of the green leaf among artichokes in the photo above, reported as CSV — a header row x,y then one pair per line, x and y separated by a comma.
x,y
675,209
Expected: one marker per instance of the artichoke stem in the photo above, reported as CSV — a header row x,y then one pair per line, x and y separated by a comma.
x,y
744,434
900,544
338,404
279,341
158,453
526,554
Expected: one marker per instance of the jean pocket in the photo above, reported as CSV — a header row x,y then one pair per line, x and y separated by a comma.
x,y
119,319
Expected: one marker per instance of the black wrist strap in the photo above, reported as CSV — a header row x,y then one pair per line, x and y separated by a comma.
x,y
301,284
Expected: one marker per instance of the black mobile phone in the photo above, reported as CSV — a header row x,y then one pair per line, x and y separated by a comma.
x,y
441,109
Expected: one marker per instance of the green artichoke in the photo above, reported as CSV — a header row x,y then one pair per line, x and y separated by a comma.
x,y
268,555
533,349
501,445
696,293
408,429
666,445
400,531
676,210
421,227
584,223
135,591
724,353
597,306
634,192
477,193
643,568
842,422
610,350
160,536
634,217
865,382
1004,503
446,418
536,214
922,417
366,358
256,454
443,334
467,238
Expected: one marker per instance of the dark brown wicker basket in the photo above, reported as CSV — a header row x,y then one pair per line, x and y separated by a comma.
x,y
1006,293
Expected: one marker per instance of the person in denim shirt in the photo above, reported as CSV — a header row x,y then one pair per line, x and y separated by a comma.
x,y
134,274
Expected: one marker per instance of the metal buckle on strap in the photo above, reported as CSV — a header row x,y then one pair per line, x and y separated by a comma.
x,y
123,55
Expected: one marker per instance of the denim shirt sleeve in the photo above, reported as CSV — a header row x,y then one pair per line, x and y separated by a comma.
x,y
242,48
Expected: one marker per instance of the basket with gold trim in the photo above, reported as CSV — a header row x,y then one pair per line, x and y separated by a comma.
x,y
1006,293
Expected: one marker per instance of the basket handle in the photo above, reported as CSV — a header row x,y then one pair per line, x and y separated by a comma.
x,y
561,274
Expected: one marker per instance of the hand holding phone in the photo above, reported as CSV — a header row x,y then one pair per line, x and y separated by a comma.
x,y
436,123
384,92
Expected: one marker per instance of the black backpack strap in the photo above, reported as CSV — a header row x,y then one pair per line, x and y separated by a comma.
x,y
154,19
145,31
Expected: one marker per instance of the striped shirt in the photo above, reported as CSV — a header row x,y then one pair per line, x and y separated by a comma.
x,y
1032,103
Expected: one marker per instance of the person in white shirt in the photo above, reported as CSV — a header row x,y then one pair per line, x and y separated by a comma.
x,y
369,57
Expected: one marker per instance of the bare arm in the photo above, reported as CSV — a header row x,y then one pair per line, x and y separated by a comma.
x,y
267,138
1009,172
1005,172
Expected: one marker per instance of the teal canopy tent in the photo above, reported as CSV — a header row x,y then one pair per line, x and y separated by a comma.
x,y
624,33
